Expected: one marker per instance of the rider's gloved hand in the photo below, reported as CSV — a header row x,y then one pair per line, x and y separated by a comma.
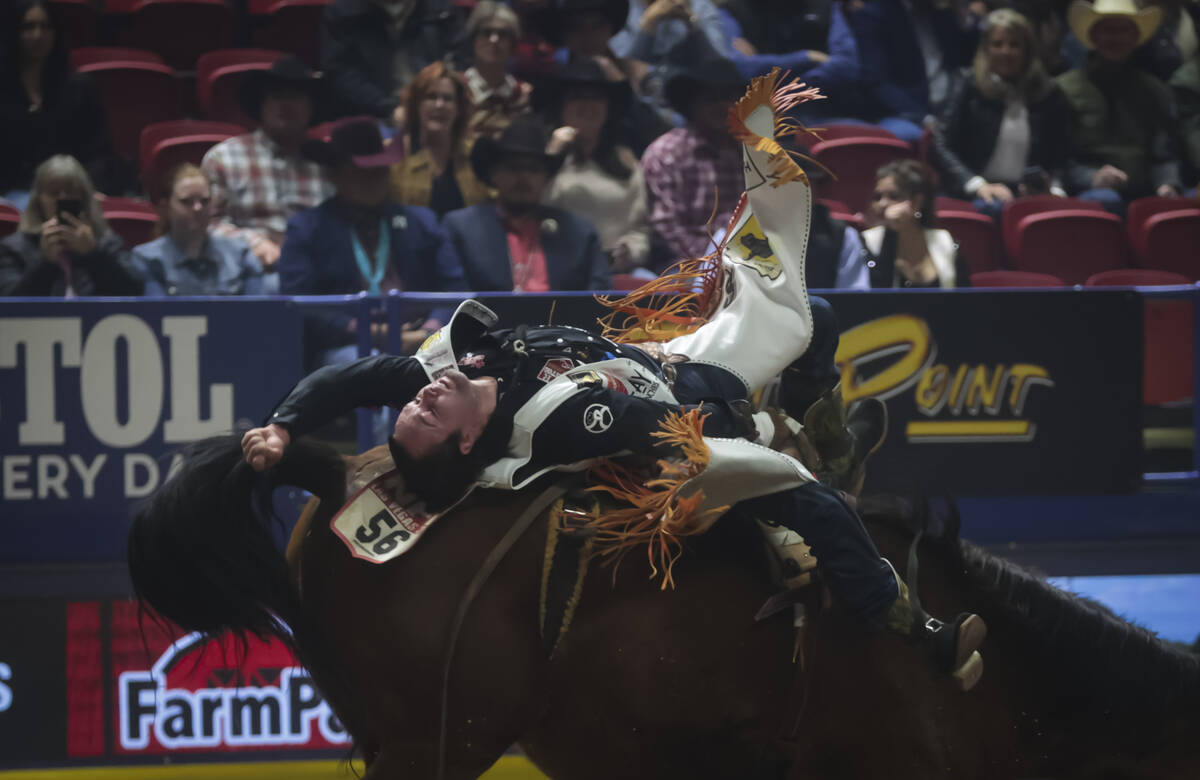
x,y
263,447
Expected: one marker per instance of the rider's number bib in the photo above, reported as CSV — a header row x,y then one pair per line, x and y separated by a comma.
x,y
375,526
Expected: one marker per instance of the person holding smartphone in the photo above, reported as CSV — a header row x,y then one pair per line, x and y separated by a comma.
x,y
63,247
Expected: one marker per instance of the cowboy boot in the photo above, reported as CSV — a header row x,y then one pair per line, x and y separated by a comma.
x,y
844,442
954,646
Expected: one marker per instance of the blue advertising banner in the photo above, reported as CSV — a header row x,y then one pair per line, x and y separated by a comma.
x,y
95,397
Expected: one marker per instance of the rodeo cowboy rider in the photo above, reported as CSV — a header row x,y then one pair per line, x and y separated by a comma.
x,y
501,407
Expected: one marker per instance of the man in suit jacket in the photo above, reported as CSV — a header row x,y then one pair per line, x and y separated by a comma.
x,y
516,243
361,240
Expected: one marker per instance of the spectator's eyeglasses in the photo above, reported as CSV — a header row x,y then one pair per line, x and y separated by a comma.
x,y
191,203
502,33
31,26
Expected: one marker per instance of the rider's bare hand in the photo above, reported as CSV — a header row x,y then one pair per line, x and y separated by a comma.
x,y
263,447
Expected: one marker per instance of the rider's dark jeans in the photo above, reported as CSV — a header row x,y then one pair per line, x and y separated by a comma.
x,y
814,372
807,378
857,577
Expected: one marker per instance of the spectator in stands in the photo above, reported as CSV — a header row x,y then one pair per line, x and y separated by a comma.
x,y
691,165
1006,127
909,50
599,180
1126,142
188,258
905,249
46,108
260,179
63,247
1186,86
668,34
517,243
583,28
361,240
436,173
371,49
809,38
497,96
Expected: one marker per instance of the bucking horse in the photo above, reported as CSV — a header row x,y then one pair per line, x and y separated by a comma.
x,y
440,660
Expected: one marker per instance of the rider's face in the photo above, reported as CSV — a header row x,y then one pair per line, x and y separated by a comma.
x,y
452,404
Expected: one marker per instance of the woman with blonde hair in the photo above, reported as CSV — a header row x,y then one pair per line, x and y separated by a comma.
x,y
63,246
1004,130
188,258
436,171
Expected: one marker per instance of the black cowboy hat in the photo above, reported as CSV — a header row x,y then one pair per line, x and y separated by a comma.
x,y
580,72
526,137
288,72
615,11
355,140
715,74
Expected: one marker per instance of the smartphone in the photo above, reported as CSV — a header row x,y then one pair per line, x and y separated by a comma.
x,y
72,206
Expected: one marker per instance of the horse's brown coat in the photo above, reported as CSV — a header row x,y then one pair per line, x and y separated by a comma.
x,y
678,684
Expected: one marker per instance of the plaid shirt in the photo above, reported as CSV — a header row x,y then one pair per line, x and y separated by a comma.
x,y
683,174
495,109
256,188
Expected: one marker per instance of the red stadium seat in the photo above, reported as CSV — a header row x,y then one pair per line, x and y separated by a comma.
x,y
10,218
1170,240
1072,244
1018,209
976,236
626,282
1167,353
179,30
168,144
137,88
943,203
131,219
1135,277
1014,279
293,26
78,19
853,162
832,132
217,76
91,55
1142,209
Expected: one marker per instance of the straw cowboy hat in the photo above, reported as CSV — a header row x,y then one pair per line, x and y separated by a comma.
x,y
1082,16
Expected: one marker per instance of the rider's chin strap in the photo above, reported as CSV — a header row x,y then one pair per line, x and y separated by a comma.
x,y
531,513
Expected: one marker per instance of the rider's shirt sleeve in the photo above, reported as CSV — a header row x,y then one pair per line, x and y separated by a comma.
x,y
597,422
382,380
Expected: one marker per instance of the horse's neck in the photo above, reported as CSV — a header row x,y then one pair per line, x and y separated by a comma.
x,y
1079,710
1065,689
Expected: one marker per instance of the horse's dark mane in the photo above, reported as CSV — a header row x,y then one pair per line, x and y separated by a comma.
x,y
1095,654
